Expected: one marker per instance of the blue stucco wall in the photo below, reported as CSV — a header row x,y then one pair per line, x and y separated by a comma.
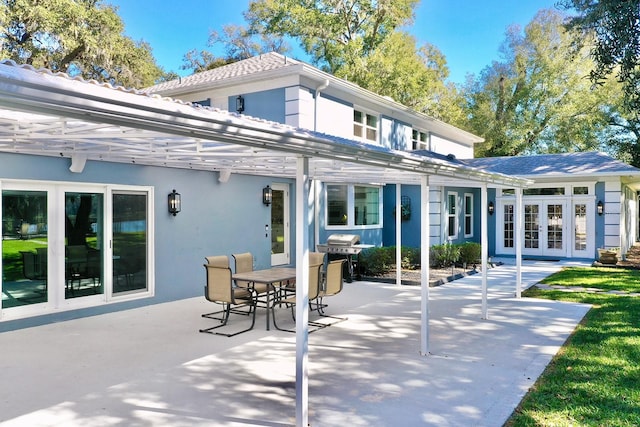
x,y
216,219
268,104
411,228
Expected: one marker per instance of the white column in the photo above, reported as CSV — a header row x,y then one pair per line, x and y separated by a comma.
x,y
424,265
303,220
518,239
484,240
398,234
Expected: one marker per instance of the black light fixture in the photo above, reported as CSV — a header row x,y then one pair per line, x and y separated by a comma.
x,y
491,208
600,207
267,195
175,204
239,104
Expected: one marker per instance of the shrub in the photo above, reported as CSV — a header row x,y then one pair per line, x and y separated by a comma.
x,y
377,261
470,253
410,258
444,255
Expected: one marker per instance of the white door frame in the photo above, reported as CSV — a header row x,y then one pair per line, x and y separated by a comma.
x,y
285,257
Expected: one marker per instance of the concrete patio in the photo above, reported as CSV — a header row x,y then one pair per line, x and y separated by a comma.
x,y
151,367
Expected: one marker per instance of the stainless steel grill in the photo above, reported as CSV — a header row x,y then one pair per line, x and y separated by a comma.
x,y
343,244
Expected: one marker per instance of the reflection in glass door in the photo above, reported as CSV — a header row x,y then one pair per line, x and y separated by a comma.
x,y
580,237
130,241
24,248
280,225
531,227
84,244
555,233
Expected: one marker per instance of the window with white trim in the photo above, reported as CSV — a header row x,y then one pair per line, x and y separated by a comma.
x,y
468,215
365,125
419,140
452,216
353,205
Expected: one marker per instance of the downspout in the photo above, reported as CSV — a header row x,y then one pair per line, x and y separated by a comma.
x,y
317,186
322,87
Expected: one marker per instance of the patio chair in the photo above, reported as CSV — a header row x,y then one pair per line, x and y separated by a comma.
x,y
290,300
316,258
244,264
220,289
333,285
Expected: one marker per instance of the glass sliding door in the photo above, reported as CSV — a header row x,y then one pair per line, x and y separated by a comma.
x,y
130,241
84,244
24,248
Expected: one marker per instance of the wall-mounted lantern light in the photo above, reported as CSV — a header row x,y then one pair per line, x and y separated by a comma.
x,y
491,208
600,207
267,195
175,204
239,104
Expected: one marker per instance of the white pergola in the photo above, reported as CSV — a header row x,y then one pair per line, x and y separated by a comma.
x,y
46,114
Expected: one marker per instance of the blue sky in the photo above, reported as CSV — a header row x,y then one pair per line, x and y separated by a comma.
x,y
468,32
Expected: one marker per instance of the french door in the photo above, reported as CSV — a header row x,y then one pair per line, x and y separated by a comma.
x,y
545,231
280,231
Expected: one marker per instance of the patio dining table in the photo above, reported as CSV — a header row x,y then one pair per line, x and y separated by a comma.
x,y
272,277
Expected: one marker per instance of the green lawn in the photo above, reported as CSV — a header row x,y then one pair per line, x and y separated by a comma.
x,y
595,378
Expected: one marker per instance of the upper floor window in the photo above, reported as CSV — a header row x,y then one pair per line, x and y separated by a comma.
x,y
365,125
419,140
353,205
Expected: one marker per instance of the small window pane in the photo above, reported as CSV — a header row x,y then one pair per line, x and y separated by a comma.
x,y
580,190
551,191
336,204
372,134
372,121
366,205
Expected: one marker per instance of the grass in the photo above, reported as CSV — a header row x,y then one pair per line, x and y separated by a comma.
x,y
595,379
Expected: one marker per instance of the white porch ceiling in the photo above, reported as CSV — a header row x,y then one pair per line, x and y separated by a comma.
x,y
54,115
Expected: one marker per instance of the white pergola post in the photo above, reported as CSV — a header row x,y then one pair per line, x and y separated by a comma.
x,y
303,220
424,264
398,234
518,239
484,239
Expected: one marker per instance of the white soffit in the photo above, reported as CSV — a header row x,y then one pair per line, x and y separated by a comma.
x,y
54,115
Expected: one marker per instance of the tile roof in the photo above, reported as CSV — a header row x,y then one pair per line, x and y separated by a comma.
x,y
588,163
257,64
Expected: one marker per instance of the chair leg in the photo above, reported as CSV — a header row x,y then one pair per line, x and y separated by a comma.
x,y
321,306
317,326
227,311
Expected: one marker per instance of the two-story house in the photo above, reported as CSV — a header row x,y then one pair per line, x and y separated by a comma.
x,y
262,152
111,198
579,201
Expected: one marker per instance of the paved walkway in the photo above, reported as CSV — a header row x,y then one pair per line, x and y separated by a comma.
x,y
150,366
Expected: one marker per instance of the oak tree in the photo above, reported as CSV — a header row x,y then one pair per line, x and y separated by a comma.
x,y
78,37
